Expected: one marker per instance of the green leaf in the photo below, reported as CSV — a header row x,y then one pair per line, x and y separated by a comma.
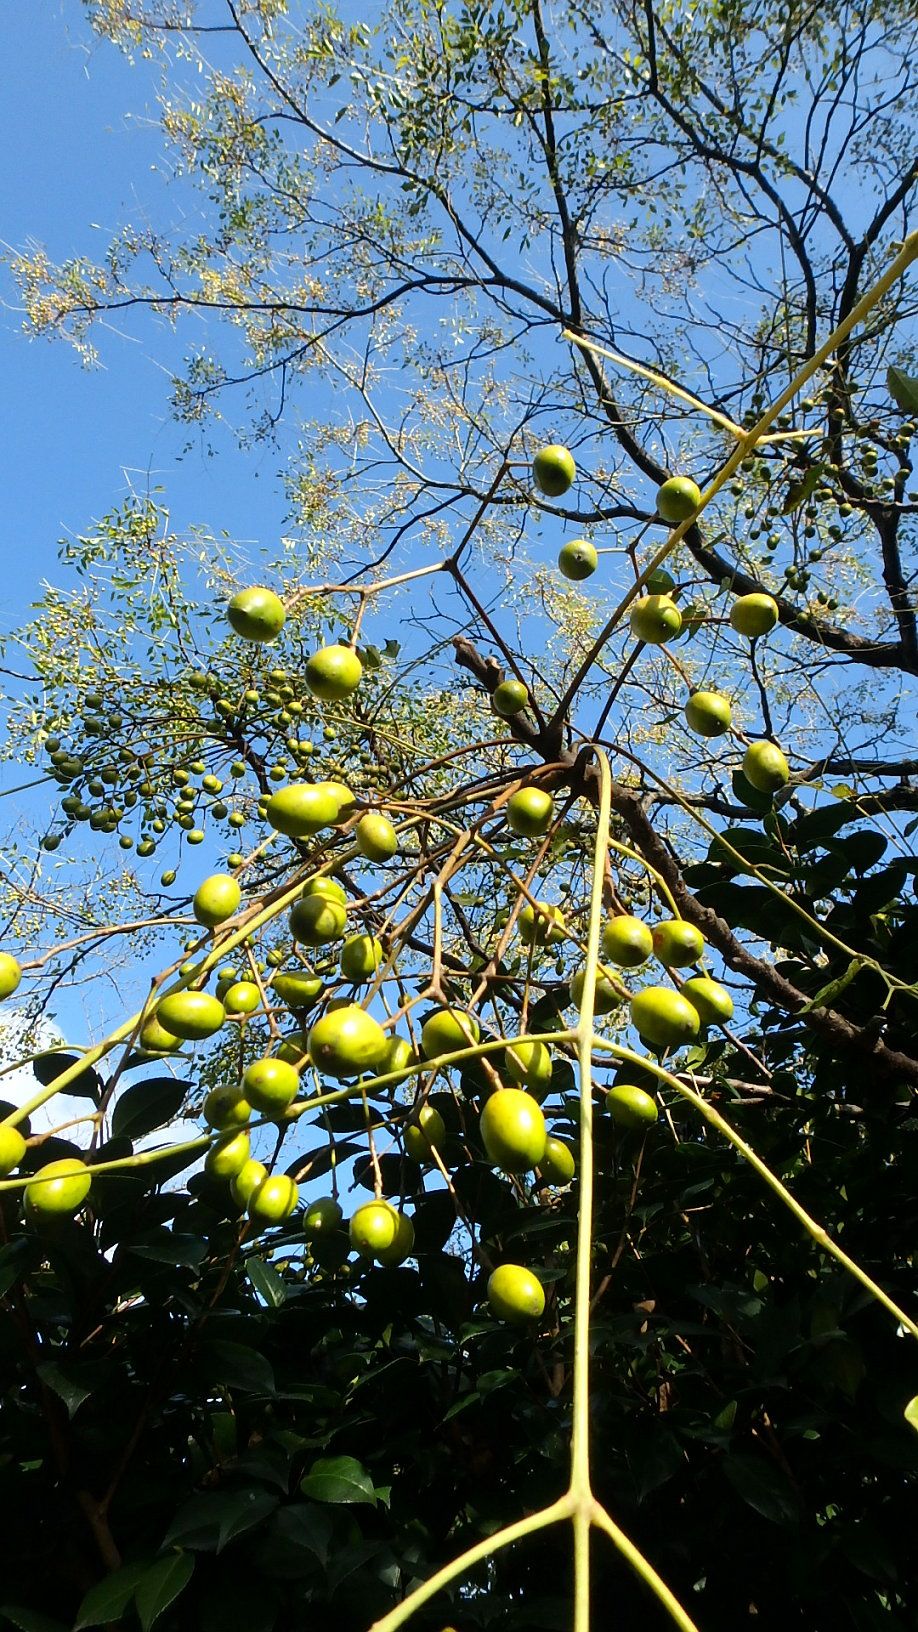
x,y
761,1486
801,490
903,388
30,1620
209,1522
161,1585
108,1599
338,1479
266,1281
65,1384
48,1067
146,1106
164,1246
235,1366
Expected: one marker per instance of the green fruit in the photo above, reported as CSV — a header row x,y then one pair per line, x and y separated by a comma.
x,y
317,920
347,1041
298,991
513,1130
425,1133
228,1156
241,997
333,673
10,974
713,1001
190,1015
677,499
270,1085
677,943
606,997
448,1030
530,1064
273,1199
155,1038
246,1181
558,1165
58,1188
344,798
655,619
399,1055
12,1148
541,925
663,1017
708,713
529,812
627,941
578,559
322,1217
373,1228
403,1245
226,1107
216,900
327,887
293,1049
515,1295
361,956
765,767
553,470
256,614
509,698
375,837
301,809
631,1107
754,615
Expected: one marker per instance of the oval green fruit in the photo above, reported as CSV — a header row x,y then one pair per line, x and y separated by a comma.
x,y
558,1165
361,956
530,1065
765,767
375,837
448,1030
708,713
513,1130
344,798
247,1180
10,974
631,1107
529,812
155,1039
58,1188
398,1056
754,615
655,619
322,885
713,1001
677,943
216,899
317,920
228,1156
541,924
226,1107
346,1041
577,560
425,1133
302,809
241,997
256,614
322,1217
627,941
663,1017
190,1015
677,499
606,997
270,1085
553,470
509,698
403,1244
515,1295
273,1200
12,1148
333,672
373,1228
298,991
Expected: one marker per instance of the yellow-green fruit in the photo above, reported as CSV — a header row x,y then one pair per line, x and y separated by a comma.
x,y
664,1018
541,925
631,1107
327,887
227,1107
361,956
707,713
513,1130
529,812
10,974
557,1165
375,837
529,1063
256,614
247,1180
333,673
322,1218
190,1015
677,943
273,1199
241,997
713,1001
627,941
425,1133
509,698
553,470
228,1156
447,1031
606,998
298,991
373,1228
317,920
300,810
754,615
515,1295
347,1041
403,1245
216,900
293,1049
677,499
655,619
765,767
155,1038
398,1056
270,1085
345,799
578,559
12,1148
58,1188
